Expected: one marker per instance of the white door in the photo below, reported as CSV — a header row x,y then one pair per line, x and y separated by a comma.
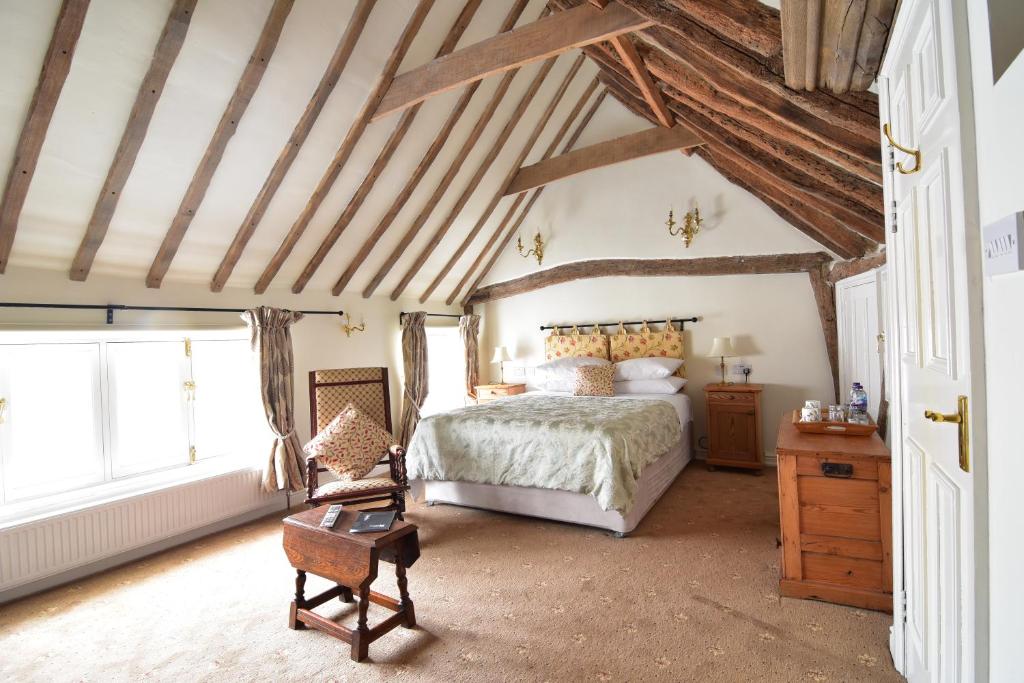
x,y
937,313
858,327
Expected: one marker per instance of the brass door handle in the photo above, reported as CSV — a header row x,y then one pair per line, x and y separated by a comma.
x,y
958,418
916,153
3,409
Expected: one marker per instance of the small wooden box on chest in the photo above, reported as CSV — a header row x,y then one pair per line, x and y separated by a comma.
x,y
835,509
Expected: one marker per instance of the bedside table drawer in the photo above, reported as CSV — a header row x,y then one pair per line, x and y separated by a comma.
x,y
495,391
731,397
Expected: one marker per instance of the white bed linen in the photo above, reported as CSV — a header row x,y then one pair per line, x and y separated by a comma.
x,y
680,401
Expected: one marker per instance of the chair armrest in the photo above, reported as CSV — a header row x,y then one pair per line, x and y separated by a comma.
x,y
312,477
396,462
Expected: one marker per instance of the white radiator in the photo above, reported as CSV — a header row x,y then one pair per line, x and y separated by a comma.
x,y
49,547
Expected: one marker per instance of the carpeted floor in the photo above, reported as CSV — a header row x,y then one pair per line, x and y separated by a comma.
x,y
692,596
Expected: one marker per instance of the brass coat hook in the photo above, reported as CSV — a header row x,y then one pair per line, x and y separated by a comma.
x,y
916,153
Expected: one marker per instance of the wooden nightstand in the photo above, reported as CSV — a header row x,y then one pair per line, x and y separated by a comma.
x,y
734,425
485,393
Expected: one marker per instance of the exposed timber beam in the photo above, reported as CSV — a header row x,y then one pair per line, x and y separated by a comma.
x,y
627,52
399,202
373,174
290,151
625,148
708,266
534,196
545,38
801,38
873,36
246,88
150,90
748,24
824,299
841,270
348,144
527,147
56,64
496,146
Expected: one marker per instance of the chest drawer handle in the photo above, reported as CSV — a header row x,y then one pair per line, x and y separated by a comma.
x,y
839,470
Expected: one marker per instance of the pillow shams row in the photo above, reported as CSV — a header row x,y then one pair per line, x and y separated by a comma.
x,y
664,385
560,374
646,368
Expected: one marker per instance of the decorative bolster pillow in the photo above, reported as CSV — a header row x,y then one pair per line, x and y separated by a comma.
x,y
663,385
594,380
654,367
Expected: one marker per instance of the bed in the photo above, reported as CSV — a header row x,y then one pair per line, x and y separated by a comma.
x,y
601,462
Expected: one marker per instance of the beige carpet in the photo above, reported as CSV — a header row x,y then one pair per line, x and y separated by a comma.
x,y
692,596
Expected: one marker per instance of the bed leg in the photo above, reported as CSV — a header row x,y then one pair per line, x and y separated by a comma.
x,y
430,503
620,534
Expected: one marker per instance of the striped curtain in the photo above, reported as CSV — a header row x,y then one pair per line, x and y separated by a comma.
x,y
469,330
414,355
272,338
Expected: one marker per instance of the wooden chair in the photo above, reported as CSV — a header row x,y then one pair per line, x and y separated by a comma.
x,y
367,388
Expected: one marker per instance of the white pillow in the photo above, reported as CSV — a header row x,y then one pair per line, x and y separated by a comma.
x,y
560,374
664,385
646,368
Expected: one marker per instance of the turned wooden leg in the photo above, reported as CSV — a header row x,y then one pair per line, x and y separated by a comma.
x,y
361,634
403,592
299,602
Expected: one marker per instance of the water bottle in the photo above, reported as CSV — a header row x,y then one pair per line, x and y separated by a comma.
x,y
858,404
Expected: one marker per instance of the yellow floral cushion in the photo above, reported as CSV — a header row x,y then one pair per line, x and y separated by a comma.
x,y
646,344
575,345
594,380
350,445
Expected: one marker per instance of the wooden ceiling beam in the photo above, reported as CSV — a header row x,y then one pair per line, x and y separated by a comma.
x,y
527,147
246,88
442,187
627,52
873,36
150,89
748,24
625,148
545,38
287,155
705,267
801,36
400,200
348,144
534,196
393,142
56,64
496,146
841,270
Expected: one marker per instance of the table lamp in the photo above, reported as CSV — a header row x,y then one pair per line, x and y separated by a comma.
x,y
500,356
721,348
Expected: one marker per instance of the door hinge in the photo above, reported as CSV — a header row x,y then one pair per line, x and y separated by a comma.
x,y
191,455
892,159
188,347
895,222
903,605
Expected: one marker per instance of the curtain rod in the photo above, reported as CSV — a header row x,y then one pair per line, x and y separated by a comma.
x,y
433,315
681,321
110,308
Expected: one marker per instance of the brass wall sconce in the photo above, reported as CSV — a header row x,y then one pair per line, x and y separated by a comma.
x,y
537,251
349,328
692,223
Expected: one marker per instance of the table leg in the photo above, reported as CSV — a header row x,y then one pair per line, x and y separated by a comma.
x,y
361,634
299,602
403,592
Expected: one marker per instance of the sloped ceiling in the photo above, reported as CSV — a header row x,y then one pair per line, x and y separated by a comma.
x,y
110,60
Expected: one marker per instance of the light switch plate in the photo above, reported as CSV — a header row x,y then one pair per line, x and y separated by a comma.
x,y
1003,245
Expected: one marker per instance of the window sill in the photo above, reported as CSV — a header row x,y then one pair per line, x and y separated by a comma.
x,y
28,511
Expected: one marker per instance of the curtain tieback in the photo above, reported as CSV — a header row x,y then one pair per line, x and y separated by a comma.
x,y
413,402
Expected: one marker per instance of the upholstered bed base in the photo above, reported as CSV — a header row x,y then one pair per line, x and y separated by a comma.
x,y
564,506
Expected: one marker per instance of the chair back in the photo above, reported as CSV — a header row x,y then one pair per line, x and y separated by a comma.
x,y
331,390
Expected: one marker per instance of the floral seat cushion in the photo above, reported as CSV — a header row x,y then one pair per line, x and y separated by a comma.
x,y
350,445
353,486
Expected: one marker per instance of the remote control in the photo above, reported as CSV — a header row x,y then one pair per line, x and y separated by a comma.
x,y
331,517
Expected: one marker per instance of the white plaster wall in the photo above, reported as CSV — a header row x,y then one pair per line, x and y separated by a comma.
x,y
999,109
318,341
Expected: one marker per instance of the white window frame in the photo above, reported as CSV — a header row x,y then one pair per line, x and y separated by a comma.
x,y
114,488
437,331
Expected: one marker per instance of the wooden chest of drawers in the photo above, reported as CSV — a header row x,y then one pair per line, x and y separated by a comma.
x,y
734,425
492,392
835,509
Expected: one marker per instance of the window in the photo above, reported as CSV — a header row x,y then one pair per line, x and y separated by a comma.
x,y
81,413
446,371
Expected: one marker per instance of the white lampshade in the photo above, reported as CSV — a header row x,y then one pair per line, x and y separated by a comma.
x,y
500,355
721,347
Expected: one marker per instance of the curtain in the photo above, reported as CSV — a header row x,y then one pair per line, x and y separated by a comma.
x,y
414,355
469,330
272,338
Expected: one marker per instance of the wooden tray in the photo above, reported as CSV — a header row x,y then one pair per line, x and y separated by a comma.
x,y
834,428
